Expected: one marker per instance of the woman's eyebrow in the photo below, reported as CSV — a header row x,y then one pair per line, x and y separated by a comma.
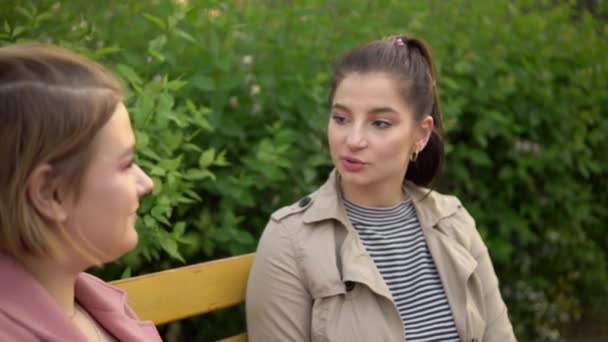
x,y
378,110
340,107
383,110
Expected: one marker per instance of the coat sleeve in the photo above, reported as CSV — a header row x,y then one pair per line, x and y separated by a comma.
x,y
278,305
498,325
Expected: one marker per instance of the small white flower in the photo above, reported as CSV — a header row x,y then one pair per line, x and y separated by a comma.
x,y
247,59
234,101
527,146
213,13
255,89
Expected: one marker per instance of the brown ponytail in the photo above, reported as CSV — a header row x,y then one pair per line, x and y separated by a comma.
x,y
427,166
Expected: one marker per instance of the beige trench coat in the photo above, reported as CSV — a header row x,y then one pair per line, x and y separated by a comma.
x,y
313,280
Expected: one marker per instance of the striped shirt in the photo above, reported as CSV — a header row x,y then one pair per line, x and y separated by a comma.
x,y
393,238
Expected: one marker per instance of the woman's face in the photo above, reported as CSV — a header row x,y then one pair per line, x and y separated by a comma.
x,y
102,219
372,132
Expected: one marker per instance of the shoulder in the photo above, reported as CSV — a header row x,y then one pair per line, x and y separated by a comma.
x,y
451,208
453,219
298,207
290,218
284,230
433,207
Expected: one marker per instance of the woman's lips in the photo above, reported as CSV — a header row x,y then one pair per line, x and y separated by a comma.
x,y
353,165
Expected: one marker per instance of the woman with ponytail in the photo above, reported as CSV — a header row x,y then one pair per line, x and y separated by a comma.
x,y
374,254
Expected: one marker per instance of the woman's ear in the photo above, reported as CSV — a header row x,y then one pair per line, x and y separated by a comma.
x,y
425,129
43,191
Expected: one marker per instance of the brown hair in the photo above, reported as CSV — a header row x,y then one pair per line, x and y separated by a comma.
x,y
410,63
52,104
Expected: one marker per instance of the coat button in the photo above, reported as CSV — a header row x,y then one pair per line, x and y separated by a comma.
x,y
304,201
349,285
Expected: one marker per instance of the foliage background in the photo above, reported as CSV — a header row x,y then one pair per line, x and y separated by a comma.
x,y
229,101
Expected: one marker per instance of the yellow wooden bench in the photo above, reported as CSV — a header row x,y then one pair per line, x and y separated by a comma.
x,y
183,292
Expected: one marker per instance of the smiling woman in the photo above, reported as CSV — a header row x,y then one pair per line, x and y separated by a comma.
x,y
373,255
69,192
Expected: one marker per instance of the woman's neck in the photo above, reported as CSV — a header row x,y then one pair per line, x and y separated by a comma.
x,y
373,195
56,278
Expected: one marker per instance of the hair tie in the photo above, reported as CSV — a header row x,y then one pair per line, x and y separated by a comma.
x,y
397,40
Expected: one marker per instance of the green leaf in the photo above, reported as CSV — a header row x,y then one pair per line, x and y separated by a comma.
x,y
142,139
195,174
17,31
184,35
202,82
44,16
178,229
106,51
206,158
157,43
175,85
128,73
126,273
24,12
220,159
170,246
159,22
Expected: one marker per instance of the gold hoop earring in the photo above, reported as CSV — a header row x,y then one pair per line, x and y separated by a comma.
x,y
414,156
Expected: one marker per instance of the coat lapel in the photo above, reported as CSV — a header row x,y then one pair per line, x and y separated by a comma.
x,y
357,264
109,307
454,263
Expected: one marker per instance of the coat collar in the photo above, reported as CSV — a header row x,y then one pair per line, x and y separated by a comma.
x,y
109,306
430,206
24,300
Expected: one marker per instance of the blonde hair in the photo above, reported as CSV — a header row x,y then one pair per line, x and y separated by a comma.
x,y
52,104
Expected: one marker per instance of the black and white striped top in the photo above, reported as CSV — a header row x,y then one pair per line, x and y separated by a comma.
x,y
393,237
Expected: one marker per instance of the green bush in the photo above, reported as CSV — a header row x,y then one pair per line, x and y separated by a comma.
x,y
229,101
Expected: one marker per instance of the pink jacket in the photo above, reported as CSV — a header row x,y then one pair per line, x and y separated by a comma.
x,y
28,313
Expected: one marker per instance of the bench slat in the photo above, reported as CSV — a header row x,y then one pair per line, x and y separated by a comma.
x,y
187,291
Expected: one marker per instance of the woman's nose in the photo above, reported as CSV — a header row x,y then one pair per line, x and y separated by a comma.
x,y
145,183
356,139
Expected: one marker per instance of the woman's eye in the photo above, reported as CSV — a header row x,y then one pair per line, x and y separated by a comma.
x,y
382,124
339,119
